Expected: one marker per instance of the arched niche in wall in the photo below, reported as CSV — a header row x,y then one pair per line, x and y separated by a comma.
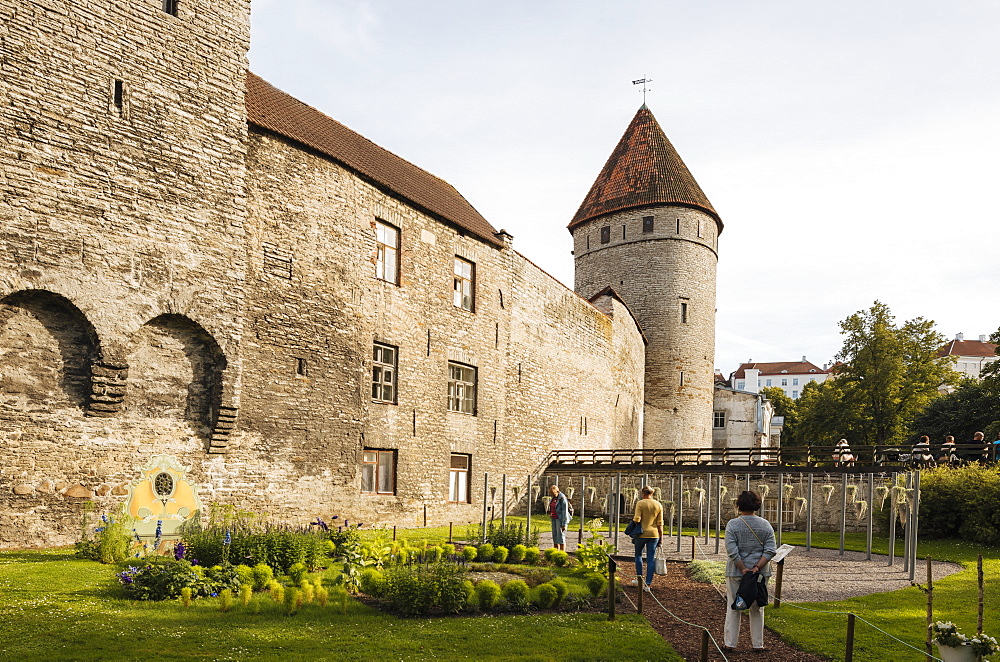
x,y
47,346
175,371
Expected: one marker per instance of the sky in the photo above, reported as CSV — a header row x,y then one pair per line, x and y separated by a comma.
x,y
849,147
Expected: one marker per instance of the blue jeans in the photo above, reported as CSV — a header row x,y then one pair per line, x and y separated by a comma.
x,y
649,544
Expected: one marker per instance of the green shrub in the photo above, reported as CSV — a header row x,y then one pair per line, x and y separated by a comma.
x,y
549,553
262,576
246,594
298,572
372,582
515,592
454,594
535,576
487,594
293,600
162,578
485,552
278,547
507,535
532,555
560,558
959,502
597,585
562,589
470,553
433,554
225,600
448,550
222,577
500,554
245,574
546,596
517,553
417,590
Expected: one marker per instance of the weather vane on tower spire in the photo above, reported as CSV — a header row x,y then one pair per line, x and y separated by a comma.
x,y
643,81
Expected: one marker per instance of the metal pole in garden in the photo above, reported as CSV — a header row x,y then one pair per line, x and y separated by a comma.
x,y
916,523
486,491
906,530
871,516
781,501
618,506
843,512
529,499
503,503
583,505
809,515
892,522
748,483
708,507
718,514
680,508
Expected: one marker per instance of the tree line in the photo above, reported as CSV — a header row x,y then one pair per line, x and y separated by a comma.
x,y
885,388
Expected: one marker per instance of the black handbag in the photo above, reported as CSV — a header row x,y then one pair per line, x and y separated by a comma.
x,y
634,529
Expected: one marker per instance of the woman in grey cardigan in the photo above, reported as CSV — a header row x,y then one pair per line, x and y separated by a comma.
x,y
750,545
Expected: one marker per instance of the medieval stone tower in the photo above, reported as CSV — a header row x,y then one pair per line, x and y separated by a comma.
x,y
647,231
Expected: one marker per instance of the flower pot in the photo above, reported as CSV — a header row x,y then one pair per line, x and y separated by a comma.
x,y
956,653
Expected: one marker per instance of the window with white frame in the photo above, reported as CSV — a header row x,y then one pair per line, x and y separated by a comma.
x,y
795,381
458,478
719,419
387,252
784,381
740,385
384,361
378,471
768,382
795,395
465,284
462,388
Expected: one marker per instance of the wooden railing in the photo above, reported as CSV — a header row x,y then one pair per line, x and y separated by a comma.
x,y
833,457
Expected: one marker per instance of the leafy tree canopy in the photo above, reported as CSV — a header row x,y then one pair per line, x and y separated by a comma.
x,y
970,408
783,406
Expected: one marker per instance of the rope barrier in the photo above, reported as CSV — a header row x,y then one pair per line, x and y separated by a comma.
x,y
672,614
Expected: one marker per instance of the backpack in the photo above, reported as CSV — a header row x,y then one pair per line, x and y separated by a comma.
x,y
569,508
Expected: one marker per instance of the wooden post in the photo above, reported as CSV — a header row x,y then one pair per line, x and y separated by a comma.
x,y
781,503
530,499
450,532
849,652
503,503
425,515
486,496
704,646
871,516
612,568
979,572
583,506
930,609
693,539
393,531
777,583
641,591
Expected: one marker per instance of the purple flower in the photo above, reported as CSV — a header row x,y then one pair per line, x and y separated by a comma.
x,y
215,595
346,523
98,529
179,550
104,518
320,523
335,517
194,561
228,539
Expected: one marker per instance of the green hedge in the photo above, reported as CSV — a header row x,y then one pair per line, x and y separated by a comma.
x,y
961,503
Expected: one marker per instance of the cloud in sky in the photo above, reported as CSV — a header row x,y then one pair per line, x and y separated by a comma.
x,y
849,147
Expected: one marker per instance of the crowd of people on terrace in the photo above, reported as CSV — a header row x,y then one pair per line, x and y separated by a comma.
x,y
924,454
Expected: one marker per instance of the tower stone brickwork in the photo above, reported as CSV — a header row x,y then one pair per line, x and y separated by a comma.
x,y
647,231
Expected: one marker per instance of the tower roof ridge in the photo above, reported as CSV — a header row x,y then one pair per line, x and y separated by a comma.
x,y
644,169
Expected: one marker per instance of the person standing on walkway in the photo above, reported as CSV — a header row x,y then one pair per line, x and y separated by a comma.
x,y
649,513
559,512
750,546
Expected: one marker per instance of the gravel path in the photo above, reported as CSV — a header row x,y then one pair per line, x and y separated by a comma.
x,y
819,575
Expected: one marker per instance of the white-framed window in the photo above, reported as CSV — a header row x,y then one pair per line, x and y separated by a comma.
x,y
719,419
739,386
458,478
768,382
387,252
378,471
462,388
795,381
465,284
384,362
795,395
784,381
769,511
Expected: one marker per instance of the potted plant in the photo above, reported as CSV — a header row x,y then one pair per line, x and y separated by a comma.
x,y
953,646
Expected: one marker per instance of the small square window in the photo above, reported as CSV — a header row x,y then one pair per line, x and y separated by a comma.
x,y
719,419
458,478
301,368
795,381
784,382
647,223
378,471
768,382
384,359
795,395
386,252
170,6
465,284
462,381
606,234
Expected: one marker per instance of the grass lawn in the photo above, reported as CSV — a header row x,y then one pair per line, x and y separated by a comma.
x,y
902,613
55,607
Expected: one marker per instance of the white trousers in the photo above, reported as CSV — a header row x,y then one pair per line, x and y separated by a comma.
x,y
732,630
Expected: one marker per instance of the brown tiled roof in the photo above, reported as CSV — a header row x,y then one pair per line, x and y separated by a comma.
x,y
274,110
644,169
780,368
968,348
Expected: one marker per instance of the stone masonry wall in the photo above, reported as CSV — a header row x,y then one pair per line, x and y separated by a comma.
x,y
657,273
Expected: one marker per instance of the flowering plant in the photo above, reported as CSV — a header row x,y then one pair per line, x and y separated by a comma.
x,y
945,633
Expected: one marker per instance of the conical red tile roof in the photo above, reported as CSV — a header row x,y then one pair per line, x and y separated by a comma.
x,y
644,169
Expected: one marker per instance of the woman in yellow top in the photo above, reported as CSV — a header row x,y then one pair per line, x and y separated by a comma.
x,y
649,513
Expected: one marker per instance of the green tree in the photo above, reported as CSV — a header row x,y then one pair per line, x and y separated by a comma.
x,y
972,407
825,416
783,406
889,373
